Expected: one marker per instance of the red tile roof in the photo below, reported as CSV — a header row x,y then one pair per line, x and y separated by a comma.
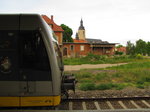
x,y
51,22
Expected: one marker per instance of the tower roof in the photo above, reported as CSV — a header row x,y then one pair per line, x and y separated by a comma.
x,y
81,27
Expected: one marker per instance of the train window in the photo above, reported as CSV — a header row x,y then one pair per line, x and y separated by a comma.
x,y
9,55
23,53
8,39
34,55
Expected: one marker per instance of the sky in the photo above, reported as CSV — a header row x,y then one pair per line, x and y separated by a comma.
x,y
115,21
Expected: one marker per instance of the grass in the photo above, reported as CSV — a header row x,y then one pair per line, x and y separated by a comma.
x,y
136,74
100,59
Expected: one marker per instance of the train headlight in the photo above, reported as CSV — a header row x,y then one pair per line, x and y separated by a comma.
x,y
5,65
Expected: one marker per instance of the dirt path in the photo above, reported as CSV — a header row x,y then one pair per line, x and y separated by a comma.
x,y
86,66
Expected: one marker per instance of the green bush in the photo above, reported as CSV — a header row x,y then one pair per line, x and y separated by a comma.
x,y
141,86
118,53
95,57
139,56
120,86
105,86
143,80
147,85
87,86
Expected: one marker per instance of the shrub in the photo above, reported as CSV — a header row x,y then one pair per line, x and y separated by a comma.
x,y
143,80
87,86
120,86
141,86
95,57
139,56
147,85
104,86
110,86
118,53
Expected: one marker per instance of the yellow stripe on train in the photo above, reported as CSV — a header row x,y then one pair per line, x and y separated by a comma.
x,y
9,101
30,101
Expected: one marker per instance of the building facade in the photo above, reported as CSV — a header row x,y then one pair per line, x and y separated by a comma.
x,y
81,46
57,29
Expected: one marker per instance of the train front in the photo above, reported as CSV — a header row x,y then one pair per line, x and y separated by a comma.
x,y
30,73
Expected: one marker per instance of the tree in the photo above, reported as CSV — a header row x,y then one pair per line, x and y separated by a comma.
x,y
148,48
119,46
141,47
67,33
130,48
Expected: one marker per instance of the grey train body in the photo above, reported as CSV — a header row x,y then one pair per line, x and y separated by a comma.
x,y
30,72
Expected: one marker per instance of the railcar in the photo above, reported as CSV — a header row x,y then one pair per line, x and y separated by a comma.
x,y
31,69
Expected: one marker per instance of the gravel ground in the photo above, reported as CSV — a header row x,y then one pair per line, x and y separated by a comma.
x,y
77,106
142,105
148,101
103,105
116,105
64,106
129,104
111,93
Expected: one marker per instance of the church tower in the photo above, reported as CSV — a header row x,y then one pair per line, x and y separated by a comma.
x,y
81,31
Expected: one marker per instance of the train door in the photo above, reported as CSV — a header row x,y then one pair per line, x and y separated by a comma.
x,y
35,68
9,68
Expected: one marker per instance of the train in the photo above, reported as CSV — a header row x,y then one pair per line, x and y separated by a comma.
x,y
31,67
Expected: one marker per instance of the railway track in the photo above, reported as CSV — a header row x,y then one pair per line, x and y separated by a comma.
x,y
104,104
111,104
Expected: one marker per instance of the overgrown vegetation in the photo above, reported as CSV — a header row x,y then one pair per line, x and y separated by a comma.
x,y
141,47
136,74
101,59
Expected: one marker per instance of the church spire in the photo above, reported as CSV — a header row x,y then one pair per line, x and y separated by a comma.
x,y
81,31
81,25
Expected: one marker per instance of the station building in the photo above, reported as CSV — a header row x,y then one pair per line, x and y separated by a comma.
x,y
81,46
56,28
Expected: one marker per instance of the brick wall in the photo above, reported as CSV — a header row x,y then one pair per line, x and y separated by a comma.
x,y
76,50
59,37
82,49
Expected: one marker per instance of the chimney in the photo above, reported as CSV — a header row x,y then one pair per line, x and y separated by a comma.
x,y
52,17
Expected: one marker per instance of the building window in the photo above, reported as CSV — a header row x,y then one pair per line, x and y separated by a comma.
x,y
81,48
107,51
71,47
